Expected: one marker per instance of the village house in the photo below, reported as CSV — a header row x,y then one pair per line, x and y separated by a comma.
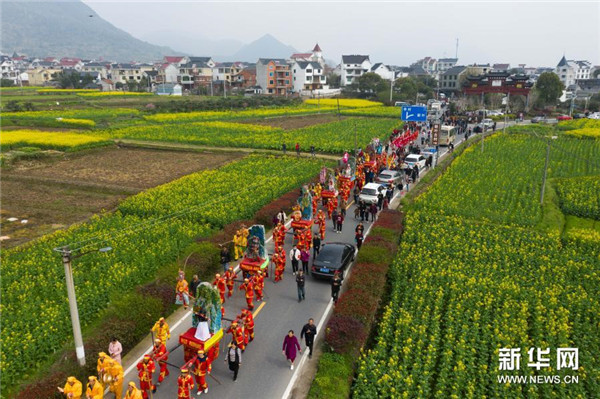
x,y
274,76
353,67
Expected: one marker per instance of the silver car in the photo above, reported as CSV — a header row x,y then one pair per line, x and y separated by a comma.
x,y
389,176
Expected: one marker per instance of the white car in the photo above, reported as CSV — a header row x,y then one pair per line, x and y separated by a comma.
x,y
487,123
370,191
595,115
415,159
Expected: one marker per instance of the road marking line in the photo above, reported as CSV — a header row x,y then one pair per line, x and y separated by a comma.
x,y
188,313
290,386
257,311
328,310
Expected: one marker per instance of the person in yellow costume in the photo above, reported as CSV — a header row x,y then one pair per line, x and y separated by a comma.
x,y
116,379
133,392
161,328
318,190
94,389
72,389
245,234
238,244
103,364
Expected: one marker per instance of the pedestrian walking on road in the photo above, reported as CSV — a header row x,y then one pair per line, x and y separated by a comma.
x,y
309,332
300,280
360,228
290,346
295,257
283,148
298,149
362,209
373,210
316,245
340,223
225,259
334,216
305,257
336,284
356,194
312,151
359,239
115,349
379,200
234,359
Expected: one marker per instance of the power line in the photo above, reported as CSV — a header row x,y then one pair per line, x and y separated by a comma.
x,y
152,222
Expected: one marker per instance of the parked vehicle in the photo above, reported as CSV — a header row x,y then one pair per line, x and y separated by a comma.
x,y
539,119
332,257
447,135
563,118
370,191
579,116
415,159
389,176
487,123
401,104
595,115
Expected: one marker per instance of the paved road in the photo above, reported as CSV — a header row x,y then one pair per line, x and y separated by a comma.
x,y
264,372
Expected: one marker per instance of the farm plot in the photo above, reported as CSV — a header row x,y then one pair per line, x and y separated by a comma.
x,y
333,137
54,193
140,247
474,275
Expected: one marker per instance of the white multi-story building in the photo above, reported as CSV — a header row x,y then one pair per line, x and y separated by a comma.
x,y
100,67
444,64
569,71
308,76
9,70
353,67
428,64
385,71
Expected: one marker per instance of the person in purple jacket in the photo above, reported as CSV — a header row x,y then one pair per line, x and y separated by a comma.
x,y
290,344
305,257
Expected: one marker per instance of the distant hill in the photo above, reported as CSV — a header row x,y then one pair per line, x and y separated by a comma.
x,y
69,29
194,44
265,47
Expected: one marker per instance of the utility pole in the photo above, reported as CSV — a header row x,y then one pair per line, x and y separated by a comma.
x,y
574,95
506,110
391,88
67,257
545,172
79,350
483,129
224,88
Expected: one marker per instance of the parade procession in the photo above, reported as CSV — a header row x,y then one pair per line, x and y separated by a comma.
x,y
228,332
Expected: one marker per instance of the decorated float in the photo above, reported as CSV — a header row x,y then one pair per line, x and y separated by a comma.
x,y
255,257
206,331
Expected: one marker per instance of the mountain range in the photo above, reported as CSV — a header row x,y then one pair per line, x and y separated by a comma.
x,y
69,29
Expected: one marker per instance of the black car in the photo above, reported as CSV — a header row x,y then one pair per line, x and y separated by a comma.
x,y
334,256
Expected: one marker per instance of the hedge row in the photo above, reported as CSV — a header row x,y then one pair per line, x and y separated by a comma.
x,y
157,298
358,308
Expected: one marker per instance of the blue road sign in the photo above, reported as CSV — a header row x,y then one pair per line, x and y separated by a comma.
x,y
414,114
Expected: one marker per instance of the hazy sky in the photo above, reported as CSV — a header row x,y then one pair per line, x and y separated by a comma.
x,y
534,33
